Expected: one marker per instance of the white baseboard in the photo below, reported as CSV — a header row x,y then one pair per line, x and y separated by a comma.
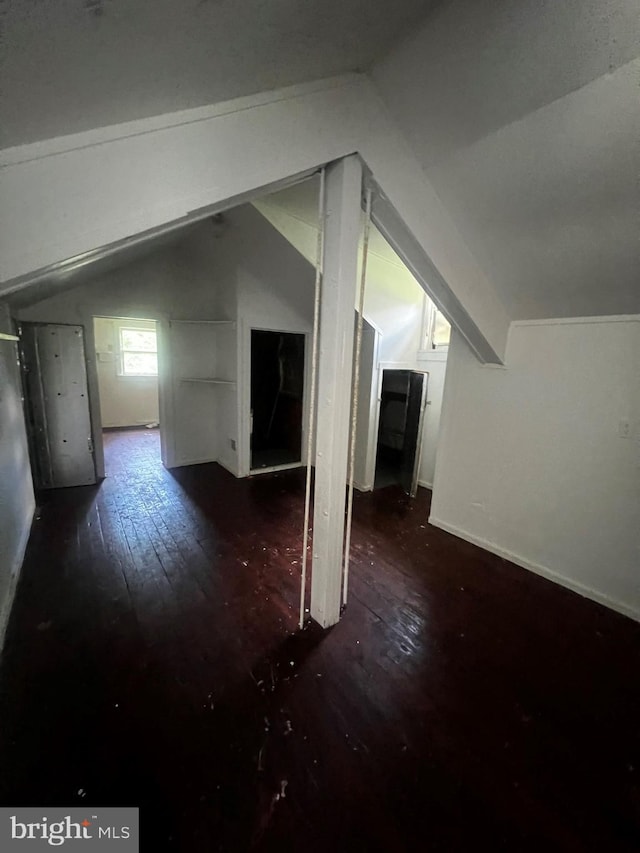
x,y
226,466
182,463
536,568
133,425
16,569
425,485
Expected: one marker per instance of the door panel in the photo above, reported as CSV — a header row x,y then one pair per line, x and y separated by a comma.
x,y
413,433
58,405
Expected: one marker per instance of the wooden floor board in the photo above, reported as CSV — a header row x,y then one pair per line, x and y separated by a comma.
x,y
153,659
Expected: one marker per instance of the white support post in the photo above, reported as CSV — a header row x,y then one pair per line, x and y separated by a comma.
x,y
340,271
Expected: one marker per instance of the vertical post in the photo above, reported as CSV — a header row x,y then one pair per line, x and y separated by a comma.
x,y
340,269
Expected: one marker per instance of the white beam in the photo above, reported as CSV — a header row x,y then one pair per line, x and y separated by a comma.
x,y
81,196
340,265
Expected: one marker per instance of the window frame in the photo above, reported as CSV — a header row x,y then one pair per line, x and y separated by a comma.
x,y
429,317
122,350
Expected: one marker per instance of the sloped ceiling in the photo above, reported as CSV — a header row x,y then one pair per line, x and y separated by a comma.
x,y
300,201
73,65
525,115
66,277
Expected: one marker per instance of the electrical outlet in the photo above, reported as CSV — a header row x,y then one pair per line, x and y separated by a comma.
x,y
624,428
232,442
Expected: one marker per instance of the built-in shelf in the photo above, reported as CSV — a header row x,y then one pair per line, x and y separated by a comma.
x,y
208,381
230,323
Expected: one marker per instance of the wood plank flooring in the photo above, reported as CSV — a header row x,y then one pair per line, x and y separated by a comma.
x,y
152,659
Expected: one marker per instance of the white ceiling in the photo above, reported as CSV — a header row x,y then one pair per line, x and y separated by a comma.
x,y
301,202
79,271
550,205
525,115
72,65
478,65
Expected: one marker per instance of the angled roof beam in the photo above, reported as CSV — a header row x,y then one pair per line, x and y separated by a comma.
x,y
66,197
394,230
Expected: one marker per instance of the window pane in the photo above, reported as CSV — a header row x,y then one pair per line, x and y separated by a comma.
x,y
441,331
138,339
140,363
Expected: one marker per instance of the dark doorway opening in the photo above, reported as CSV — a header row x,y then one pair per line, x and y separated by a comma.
x,y
402,402
277,390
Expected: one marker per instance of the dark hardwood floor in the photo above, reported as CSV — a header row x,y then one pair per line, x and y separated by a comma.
x,y
462,704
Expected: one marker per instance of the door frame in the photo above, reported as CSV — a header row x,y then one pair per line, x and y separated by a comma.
x,y
165,388
244,400
415,475
373,435
368,406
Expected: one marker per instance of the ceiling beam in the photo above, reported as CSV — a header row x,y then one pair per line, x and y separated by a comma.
x,y
75,196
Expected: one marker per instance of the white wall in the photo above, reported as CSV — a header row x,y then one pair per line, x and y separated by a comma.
x,y
80,193
531,464
435,363
393,298
245,271
192,430
124,400
393,304
16,488
275,288
154,287
239,269
242,269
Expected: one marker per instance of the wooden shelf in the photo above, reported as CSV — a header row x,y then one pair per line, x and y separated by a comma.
x,y
208,381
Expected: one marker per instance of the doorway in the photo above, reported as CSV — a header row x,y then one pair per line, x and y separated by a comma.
x,y
127,370
402,404
277,395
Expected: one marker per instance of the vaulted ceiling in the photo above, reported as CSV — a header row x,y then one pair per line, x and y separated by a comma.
x,y
525,116
72,65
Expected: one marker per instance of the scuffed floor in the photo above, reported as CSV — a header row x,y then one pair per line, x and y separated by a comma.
x,y
153,660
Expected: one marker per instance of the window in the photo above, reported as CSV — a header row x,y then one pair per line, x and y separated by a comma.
x,y
436,330
440,330
138,352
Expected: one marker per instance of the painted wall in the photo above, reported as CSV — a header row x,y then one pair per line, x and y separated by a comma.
x,y
154,286
124,400
148,173
393,298
394,306
240,269
274,288
435,363
17,501
531,462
